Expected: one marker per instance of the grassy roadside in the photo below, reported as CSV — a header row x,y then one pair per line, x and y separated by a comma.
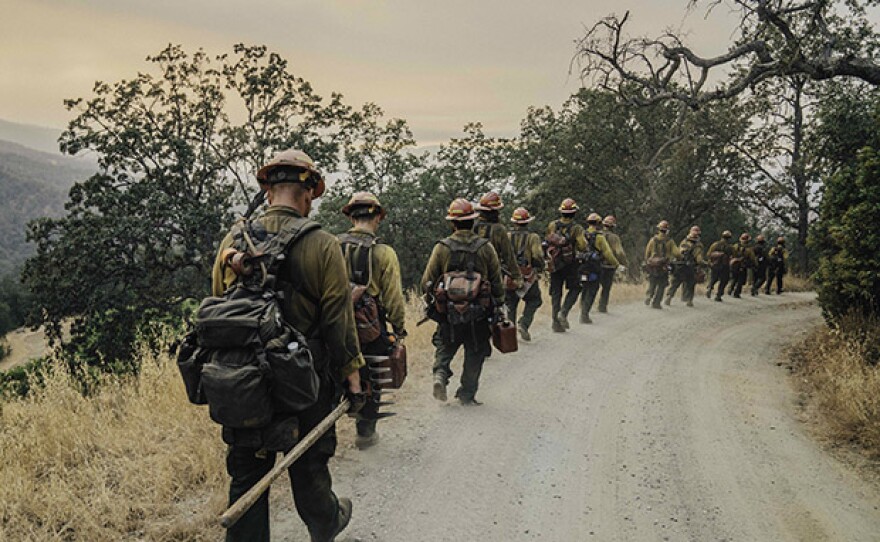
x,y
837,369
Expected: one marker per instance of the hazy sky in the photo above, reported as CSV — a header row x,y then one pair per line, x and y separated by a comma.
x,y
436,63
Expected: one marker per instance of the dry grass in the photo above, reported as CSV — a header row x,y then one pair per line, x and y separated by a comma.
x,y
133,461
842,384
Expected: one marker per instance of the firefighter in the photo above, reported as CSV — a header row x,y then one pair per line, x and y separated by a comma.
x,y
759,276
462,282
778,256
686,266
564,238
606,278
489,227
530,259
743,260
598,253
658,253
720,253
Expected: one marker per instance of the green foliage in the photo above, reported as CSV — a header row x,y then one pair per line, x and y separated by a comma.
x,y
847,239
20,380
642,164
139,236
847,234
15,303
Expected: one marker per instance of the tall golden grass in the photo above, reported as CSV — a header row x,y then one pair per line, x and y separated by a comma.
x,y
838,370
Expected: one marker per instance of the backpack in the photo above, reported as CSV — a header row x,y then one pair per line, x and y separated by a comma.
x,y
368,318
658,265
591,260
519,240
462,295
243,359
560,250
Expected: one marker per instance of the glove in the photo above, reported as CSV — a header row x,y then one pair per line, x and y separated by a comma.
x,y
357,400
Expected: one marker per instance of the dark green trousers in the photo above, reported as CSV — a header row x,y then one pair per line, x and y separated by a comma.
x,y
719,274
475,340
309,479
657,284
606,281
684,276
532,301
589,290
571,280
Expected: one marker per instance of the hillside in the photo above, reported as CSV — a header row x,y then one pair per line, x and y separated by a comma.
x,y
32,184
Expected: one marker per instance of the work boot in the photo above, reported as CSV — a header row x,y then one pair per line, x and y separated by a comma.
x,y
647,301
708,294
557,327
690,303
656,306
718,298
469,401
562,318
603,309
362,442
524,334
440,389
737,296
668,300
343,516
585,319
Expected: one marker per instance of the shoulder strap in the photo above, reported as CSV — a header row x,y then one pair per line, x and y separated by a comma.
x,y
463,257
358,253
483,229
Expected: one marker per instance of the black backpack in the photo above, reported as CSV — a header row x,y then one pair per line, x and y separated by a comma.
x,y
243,359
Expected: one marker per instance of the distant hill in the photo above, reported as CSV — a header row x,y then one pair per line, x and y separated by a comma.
x,y
32,184
34,137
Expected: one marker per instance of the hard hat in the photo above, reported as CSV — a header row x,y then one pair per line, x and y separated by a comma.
x,y
694,232
568,206
594,218
745,237
292,166
663,225
363,203
461,209
780,240
760,238
727,234
521,216
610,221
490,201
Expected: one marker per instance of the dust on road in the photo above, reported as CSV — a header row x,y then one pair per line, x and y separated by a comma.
x,y
647,425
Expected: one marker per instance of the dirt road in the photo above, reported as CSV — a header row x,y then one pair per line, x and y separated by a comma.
x,y
647,425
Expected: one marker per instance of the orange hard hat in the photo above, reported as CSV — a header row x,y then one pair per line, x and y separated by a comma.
x,y
695,232
760,238
521,216
610,221
568,206
594,218
363,203
780,240
292,166
491,201
461,209
745,236
663,225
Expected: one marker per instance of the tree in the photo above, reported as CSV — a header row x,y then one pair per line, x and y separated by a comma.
x,y
176,149
642,164
816,39
847,233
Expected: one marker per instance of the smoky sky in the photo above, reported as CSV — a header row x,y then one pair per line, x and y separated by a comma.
x,y
437,64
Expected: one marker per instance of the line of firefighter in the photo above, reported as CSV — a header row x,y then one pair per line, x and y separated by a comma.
x,y
475,277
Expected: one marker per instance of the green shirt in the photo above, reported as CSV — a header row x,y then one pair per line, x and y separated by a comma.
x,y
529,244
608,258
576,233
616,247
316,264
497,236
661,246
